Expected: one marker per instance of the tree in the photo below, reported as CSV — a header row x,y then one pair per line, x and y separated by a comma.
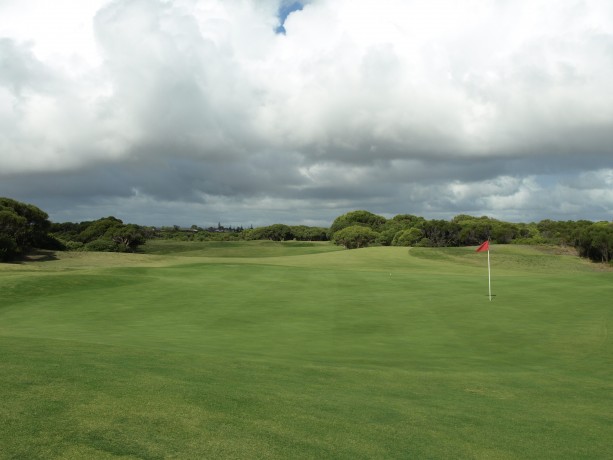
x,y
504,232
8,248
396,225
98,228
108,234
440,233
596,242
473,230
363,218
305,233
11,224
128,237
356,236
279,232
275,232
409,237
407,220
22,226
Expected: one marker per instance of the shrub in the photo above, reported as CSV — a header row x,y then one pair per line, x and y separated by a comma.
x,y
424,243
102,245
364,218
355,237
73,246
408,237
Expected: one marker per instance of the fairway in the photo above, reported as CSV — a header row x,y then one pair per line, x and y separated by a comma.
x,y
302,350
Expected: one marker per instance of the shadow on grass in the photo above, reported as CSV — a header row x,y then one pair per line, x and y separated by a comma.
x,y
37,255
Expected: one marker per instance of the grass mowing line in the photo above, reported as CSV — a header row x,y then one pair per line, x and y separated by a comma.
x,y
315,357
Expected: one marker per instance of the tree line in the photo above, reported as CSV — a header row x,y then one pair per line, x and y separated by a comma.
x,y
24,226
355,229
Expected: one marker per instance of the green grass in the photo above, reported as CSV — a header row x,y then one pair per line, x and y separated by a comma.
x,y
208,350
236,248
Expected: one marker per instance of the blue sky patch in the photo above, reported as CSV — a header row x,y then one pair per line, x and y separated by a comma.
x,y
284,11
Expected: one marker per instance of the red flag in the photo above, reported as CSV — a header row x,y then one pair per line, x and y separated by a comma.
x,y
484,247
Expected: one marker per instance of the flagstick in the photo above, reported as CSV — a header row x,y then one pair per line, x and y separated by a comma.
x,y
489,274
486,247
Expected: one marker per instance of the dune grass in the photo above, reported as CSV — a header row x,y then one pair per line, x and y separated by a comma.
x,y
208,350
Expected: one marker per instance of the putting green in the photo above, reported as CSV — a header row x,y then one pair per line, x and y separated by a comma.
x,y
285,350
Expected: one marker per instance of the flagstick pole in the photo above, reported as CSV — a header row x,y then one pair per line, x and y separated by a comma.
x,y
489,274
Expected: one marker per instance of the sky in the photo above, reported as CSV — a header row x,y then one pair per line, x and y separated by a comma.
x,y
255,112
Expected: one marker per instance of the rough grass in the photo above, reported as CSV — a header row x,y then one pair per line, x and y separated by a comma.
x,y
209,351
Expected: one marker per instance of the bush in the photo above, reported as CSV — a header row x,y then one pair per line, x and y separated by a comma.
x,y
425,243
364,218
73,246
102,245
408,237
355,237
386,237
535,240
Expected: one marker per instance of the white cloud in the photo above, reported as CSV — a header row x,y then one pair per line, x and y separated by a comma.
x,y
465,105
59,31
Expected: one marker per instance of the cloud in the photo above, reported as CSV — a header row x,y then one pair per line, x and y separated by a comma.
x,y
437,108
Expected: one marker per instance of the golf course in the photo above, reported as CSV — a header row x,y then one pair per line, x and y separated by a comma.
x,y
292,350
